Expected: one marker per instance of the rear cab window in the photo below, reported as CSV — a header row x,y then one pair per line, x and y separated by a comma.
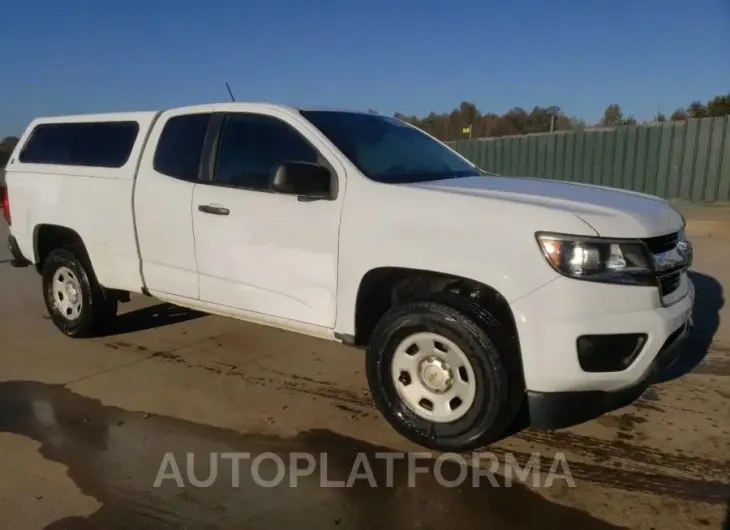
x,y
180,146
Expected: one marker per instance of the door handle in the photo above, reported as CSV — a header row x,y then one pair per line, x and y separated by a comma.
x,y
215,210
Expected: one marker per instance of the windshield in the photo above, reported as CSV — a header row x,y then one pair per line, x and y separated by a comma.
x,y
388,150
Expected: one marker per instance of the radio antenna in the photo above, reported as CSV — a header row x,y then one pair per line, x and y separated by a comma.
x,y
229,92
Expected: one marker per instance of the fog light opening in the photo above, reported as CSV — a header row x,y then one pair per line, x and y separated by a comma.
x,y
609,353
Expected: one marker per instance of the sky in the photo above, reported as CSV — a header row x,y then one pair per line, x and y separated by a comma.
x,y
77,56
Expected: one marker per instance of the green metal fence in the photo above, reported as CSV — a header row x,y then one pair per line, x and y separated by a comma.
x,y
675,160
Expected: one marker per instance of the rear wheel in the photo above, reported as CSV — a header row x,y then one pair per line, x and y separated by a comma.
x,y
76,303
439,378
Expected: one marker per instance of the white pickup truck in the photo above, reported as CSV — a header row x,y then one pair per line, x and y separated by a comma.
x,y
479,299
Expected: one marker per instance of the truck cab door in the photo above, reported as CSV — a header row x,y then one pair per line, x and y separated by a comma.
x,y
168,174
261,252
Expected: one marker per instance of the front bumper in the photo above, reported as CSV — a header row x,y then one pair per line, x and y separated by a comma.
x,y
555,410
551,319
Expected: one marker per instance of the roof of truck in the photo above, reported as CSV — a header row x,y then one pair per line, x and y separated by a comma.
x,y
223,106
252,105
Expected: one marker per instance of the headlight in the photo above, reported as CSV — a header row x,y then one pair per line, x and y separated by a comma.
x,y
596,259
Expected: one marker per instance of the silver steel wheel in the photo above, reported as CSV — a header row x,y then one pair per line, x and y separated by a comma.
x,y
433,377
67,293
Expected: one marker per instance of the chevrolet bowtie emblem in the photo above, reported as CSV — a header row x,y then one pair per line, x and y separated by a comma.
x,y
679,256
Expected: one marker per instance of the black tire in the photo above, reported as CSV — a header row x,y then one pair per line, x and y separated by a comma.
x,y
499,387
98,308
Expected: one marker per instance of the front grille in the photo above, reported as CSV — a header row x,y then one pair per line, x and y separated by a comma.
x,y
670,283
660,244
669,265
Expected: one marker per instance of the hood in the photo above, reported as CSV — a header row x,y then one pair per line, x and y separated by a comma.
x,y
611,212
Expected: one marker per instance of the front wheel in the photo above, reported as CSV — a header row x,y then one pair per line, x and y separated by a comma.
x,y
439,379
77,304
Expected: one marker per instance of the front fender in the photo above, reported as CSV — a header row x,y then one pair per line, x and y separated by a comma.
x,y
489,241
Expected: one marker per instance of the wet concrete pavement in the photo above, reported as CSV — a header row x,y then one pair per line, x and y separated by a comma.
x,y
85,427
115,456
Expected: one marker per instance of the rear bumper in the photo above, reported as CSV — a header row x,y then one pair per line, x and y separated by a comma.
x,y
18,259
555,410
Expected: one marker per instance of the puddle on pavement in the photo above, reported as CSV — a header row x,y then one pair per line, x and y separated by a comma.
x,y
115,456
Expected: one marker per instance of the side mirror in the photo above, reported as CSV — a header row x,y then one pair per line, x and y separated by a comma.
x,y
303,179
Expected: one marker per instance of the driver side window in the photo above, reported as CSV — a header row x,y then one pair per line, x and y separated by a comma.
x,y
251,145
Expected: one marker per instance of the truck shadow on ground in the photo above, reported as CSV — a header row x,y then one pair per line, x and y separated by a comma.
x,y
156,316
709,300
117,456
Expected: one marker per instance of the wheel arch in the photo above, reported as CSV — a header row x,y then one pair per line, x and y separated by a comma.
x,y
384,287
48,237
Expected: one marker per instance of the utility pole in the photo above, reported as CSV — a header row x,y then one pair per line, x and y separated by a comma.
x,y
553,111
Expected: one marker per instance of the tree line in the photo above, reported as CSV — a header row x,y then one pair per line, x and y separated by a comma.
x,y
467,121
